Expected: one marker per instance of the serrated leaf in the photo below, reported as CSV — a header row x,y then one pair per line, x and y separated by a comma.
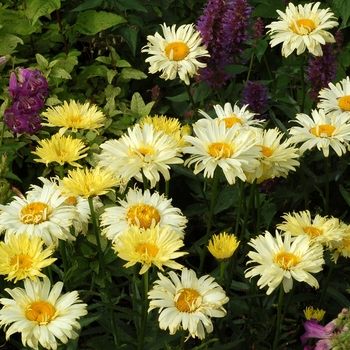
x,y
132,73
103,59
91,22
110,75
60,73
8,43
137,103
342,9
129,34
37,8
147,109
42,61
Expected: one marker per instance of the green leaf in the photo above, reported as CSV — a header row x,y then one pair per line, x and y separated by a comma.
x,y
110,75
132,73
341,9
91,22
87,4
8,43
38,8
235,69
129,34
60,73
137,103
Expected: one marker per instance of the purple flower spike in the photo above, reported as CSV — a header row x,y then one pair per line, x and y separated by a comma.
x,y
14,88
34,83
255,95
27,104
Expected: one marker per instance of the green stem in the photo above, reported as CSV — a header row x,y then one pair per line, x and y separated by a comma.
x,y
61,171
2,133
304,188
250,203
325,285
279,317
96,230
62,249
144,314
326,166
217,173
258,210
241,200
222,271
145,181
250,66
192,104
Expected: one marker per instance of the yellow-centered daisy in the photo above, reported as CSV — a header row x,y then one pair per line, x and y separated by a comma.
x,y
302,27
281,261
74,116
187,302
23,256
42,315
317,314
336,98
223,246
153,246
176,53
61,149
144,210
322,130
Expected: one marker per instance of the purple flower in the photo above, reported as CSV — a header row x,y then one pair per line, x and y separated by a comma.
x,y
315,330
224,29
27,104
321,70
255,95
14,88
33,83
29,124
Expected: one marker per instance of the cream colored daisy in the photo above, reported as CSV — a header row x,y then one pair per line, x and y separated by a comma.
x,y
144,210
176,53
317,314
23,256
231,116
278,157
323,131
42,315
170,126
141,151
187,302
42,213
88,182
223,246
153,246
282,261
320,229
336,98
302,27
61,149
342,248
74,116
215,145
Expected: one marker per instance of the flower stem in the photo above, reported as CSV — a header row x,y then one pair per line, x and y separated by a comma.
x,y
210,219
96,230
326,170
325,285
279,317
222,271
144,314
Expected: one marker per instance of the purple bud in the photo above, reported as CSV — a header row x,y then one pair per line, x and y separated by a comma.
x,y
14,87
4,59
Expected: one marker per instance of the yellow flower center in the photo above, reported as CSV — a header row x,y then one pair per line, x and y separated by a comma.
x,y
61,153
323,130
177,51
76,120
187,301
143,215
286,260
21,261
144,150
344,103
147,249
266,151
72,200
232,120
40,311
220,149
312,231
303,26
35,213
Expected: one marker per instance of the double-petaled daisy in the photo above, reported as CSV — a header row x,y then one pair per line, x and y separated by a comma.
x,y
42,315
278,157
61,149
176,53
223,246
42,213
141,152
282,261
215,145
336,98
322,130
23,256
153,246
144,210
320,229
342,248
232,115
187,302
74,116
302,27
89,182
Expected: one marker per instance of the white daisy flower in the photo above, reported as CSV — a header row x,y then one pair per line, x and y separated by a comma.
x,y
336,98
141,151
282,261
323,131
41,315
232,149
176,53
144,210
278,157
43,213
302,27
231,116
187,302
